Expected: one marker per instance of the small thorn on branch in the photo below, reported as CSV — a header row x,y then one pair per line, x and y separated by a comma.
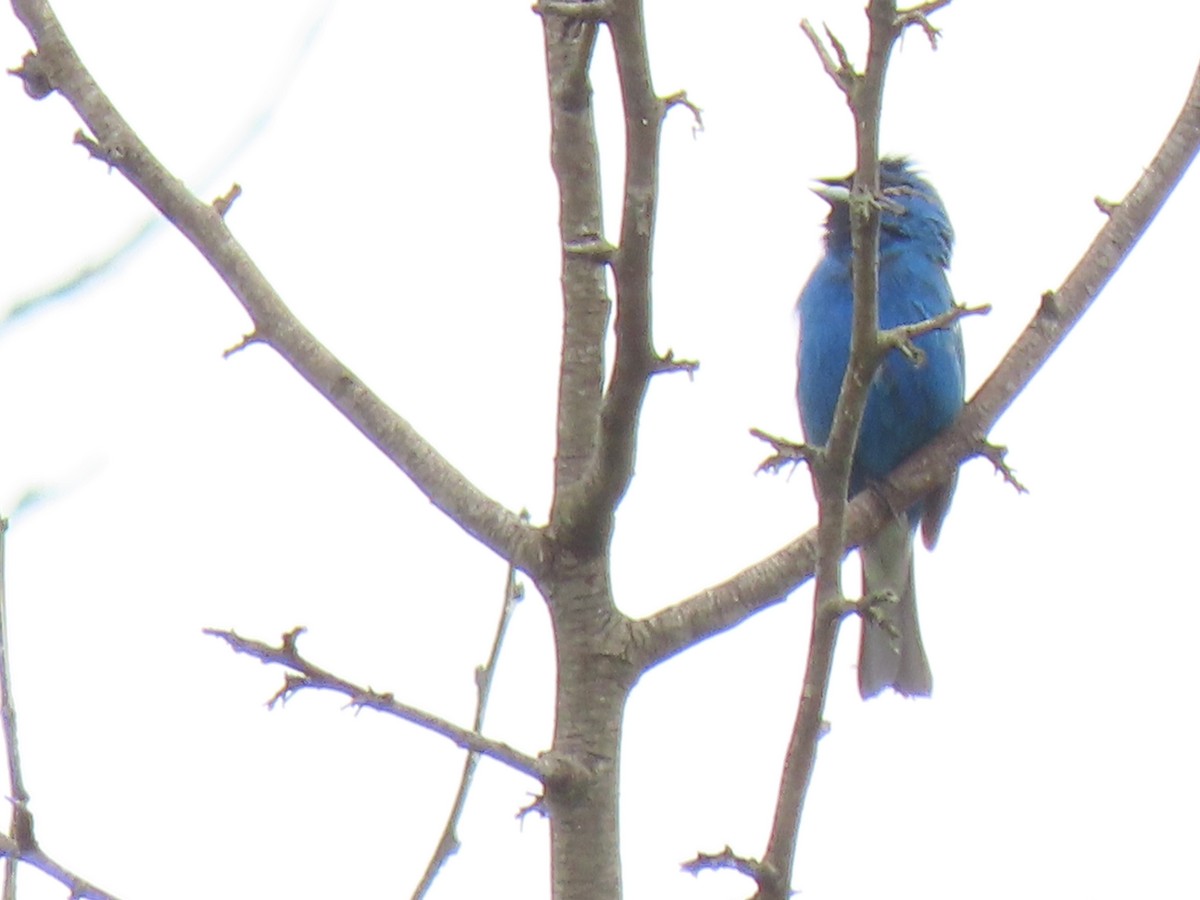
x,y
111,156
668,363
292,684
917,18
1049,305
371,699
537,806
1108,207
248,339
680,98
221,204
34,76
786,452
918,15
995,454
290,638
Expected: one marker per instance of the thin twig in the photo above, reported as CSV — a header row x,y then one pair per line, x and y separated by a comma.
x,y
313,676
680,98
918,15
726,859
20,845
21,830
995,454
448,843
842,73
787,452
902,336
668,363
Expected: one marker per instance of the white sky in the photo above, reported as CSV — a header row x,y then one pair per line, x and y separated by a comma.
x,y
401,201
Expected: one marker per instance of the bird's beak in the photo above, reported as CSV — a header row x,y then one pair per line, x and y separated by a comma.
x,y
833,191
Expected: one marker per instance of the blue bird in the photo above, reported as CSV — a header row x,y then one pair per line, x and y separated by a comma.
x,y
907,404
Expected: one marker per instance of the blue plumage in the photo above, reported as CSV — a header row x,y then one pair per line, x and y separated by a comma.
x,y
906,405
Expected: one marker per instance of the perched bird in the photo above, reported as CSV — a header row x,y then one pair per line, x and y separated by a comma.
x,y
907,404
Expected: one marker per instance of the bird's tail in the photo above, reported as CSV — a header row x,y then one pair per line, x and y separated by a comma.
x,y
891,653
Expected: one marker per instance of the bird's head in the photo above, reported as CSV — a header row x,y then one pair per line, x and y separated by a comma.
x,y
911,210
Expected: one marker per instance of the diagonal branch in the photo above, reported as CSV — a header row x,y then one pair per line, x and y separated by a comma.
x,y
312,676
1060,310
56,66
768,581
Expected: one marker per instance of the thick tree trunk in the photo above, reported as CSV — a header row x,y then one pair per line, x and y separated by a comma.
x,y
594,679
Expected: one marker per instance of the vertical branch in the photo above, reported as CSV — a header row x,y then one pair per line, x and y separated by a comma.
x,y
570,40
586,522
448,843
831,465
21,830
19,844
634,360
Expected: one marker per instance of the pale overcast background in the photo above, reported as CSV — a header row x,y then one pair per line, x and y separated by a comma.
x,y
398,194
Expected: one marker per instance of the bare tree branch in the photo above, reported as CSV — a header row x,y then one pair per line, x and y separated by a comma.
x,y
448,843
635,359
57,64
21,829
313,676
570,40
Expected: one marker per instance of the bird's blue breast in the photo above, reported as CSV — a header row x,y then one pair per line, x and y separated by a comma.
x,y
906,404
